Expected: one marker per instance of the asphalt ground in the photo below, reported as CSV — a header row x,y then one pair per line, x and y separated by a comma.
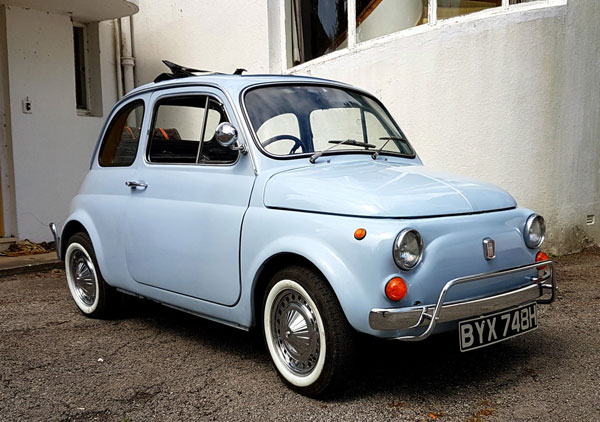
x,y
154,363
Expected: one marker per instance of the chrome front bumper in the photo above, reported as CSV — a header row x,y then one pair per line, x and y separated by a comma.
x,y
542,290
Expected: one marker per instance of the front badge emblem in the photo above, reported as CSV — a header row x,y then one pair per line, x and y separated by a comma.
x,y
489,248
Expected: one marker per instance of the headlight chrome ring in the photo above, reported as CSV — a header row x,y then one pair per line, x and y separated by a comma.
x,y
534,232
408,249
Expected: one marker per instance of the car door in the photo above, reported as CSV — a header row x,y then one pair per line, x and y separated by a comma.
x,y
188,199
103,195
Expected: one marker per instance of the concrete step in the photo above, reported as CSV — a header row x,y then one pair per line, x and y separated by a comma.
x,y
29,263
5,242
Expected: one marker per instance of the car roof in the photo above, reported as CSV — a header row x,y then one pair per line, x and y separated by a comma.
x,y
232,84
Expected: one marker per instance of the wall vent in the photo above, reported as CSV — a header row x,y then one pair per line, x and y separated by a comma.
x,y
591,219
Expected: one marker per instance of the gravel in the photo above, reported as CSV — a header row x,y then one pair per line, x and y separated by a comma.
x,y
154,363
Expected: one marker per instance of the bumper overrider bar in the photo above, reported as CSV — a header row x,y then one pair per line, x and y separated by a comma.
x,y
56,239
542,290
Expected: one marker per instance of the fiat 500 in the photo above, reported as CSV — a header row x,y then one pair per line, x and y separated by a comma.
x,y
296,205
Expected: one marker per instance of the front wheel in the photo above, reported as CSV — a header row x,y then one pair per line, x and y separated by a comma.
x,y
306,332
89,290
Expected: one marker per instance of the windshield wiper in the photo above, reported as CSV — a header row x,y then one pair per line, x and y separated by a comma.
x,y
352,142
387,139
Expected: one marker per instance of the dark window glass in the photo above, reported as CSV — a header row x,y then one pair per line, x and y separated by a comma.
x,y
81,91
178,127
317,27
120,143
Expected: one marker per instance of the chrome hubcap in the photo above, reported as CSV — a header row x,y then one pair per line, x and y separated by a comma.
x,y
295,332
84,279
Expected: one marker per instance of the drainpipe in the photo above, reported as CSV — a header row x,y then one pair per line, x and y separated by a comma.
x,y
127,59
117,37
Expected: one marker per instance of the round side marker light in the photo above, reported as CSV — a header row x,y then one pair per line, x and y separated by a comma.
x,y
541,256
395,289
359,234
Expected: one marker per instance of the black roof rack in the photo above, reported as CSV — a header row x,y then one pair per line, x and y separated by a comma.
x,y
178,71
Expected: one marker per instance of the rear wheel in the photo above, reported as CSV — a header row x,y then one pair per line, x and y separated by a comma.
x,y
89,290
306,332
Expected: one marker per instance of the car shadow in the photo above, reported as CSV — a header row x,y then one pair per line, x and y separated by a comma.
x,y
407,370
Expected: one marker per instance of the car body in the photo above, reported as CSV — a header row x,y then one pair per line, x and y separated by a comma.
x,y
206,226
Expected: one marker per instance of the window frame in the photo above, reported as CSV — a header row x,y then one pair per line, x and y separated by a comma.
x,y
259,146
156,103
87,110
131,105
285,34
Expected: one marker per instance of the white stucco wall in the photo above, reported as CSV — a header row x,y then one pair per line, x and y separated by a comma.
x,y
507,97
52,146
218,36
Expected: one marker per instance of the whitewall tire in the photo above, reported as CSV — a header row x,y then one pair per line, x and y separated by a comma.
x,y
306,333
88,289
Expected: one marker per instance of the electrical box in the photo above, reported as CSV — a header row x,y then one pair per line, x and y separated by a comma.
x,y
27,106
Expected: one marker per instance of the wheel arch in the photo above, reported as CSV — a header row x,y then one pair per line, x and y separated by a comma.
x,y
277,262
72,227
81,222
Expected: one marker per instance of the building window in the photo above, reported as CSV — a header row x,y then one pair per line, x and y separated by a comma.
x,y
374,17
452,8
88,80
81,76
317,27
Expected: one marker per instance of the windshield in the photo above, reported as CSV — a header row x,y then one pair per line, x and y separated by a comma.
x,y
302,119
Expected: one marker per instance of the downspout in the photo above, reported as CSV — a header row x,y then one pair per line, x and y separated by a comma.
x,y
117,37
127,59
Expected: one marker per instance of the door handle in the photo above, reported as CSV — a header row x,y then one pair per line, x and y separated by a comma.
x,y
134,184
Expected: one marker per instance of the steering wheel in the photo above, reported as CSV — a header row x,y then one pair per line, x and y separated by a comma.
x,y
297,142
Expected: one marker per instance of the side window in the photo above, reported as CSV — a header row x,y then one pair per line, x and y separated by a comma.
x,y
176,130
121,140
178,127
211,152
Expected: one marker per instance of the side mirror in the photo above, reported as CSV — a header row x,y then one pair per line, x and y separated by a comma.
x,y
226,135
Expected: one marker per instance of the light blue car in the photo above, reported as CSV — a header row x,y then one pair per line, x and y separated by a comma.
x,y
297,206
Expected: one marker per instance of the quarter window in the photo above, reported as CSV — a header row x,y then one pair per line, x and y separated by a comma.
x,y
183,132
122,138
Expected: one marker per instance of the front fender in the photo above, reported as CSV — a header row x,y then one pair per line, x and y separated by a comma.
x,y
354,269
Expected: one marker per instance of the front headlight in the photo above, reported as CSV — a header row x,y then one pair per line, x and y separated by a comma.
x,y
535,231
408,249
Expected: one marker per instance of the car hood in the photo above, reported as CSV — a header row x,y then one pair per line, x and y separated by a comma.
x,y
381,189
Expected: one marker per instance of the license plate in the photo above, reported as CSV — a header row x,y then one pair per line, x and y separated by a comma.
x,y
489,329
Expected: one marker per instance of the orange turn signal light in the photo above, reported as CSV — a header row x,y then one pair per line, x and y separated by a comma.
x,y
359,234
395,289
541,256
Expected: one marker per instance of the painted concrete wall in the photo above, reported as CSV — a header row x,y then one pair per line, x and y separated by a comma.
x,y
510,97
219,36
53,145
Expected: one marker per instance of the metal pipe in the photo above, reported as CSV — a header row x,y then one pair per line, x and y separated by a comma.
x,y
127,59
117,37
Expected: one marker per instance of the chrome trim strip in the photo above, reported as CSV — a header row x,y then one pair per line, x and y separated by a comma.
x,y
416,316
56,238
